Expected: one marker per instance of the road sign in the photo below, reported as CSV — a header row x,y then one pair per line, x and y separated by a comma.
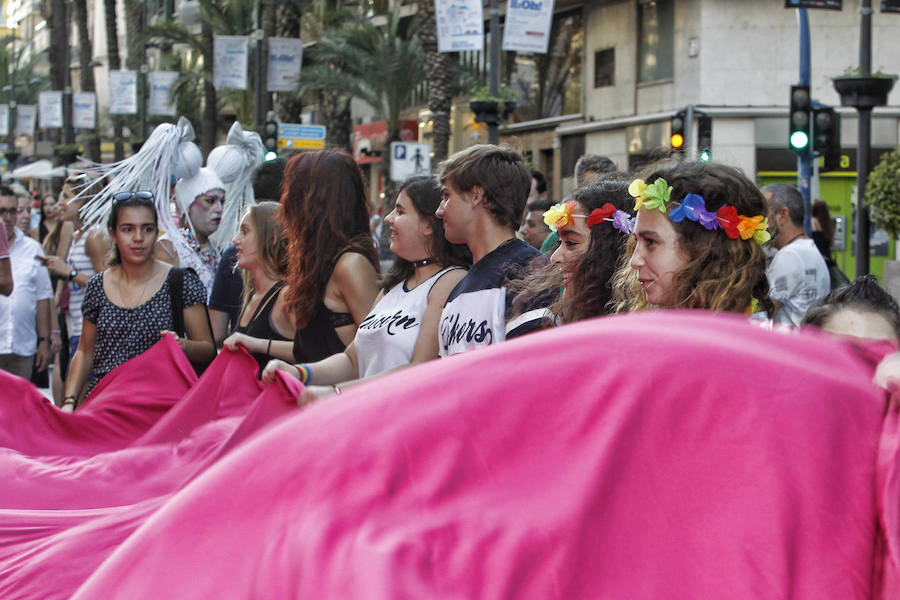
x,y
408,159
294,136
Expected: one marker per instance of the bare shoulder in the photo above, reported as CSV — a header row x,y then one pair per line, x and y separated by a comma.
x,y
352,265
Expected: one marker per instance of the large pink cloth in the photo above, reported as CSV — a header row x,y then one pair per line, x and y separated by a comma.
x,y
651,456
62,514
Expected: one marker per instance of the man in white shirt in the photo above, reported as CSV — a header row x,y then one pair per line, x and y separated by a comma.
x,y
25,315
798,275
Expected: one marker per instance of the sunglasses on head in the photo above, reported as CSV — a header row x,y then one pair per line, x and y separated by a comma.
x,y
140,195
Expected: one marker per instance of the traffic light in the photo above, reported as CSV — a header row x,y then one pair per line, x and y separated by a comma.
x,y
827,137
676,137
799,118
704,138
270,136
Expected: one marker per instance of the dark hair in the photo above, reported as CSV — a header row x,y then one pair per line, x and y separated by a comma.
x,y
721,274
541,205
5,190
500,172
267,179
821,213
595,164
541,186
425,193
324,212
787,195
864,294
113,221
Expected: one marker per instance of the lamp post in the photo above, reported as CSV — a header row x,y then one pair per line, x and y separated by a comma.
x,y
494,69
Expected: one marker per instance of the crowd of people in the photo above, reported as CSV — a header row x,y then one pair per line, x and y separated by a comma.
x,y
481,255
274,263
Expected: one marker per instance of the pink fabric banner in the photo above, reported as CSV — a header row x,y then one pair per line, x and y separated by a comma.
x,y
649,456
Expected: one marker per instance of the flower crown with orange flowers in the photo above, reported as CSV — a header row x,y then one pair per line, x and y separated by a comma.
x,y
693,206
561,215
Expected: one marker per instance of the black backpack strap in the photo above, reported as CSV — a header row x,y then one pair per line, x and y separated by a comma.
x,y
176,293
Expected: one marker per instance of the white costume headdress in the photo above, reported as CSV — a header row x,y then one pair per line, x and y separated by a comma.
x,y
168,154
235,163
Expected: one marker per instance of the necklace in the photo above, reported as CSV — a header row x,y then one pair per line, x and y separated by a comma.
x,y
132,305
423,262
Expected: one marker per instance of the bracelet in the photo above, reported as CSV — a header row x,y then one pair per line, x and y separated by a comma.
x,y
45,339
69,400
305,373
269,348
56,331
337,390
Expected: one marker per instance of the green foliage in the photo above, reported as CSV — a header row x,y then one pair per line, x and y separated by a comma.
x,y
883,193
19,66
505,94
381,65
856,72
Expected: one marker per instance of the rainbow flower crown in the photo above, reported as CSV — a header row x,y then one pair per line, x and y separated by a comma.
x,y
657,195
561,215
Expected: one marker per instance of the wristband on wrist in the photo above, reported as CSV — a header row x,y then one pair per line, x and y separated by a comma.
x,y
44,339
69,400
269,348
305,373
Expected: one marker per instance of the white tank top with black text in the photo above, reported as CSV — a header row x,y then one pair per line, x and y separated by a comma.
x,y
387,336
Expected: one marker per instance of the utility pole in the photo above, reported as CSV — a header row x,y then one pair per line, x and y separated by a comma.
x,y
494,70
863,143
804,159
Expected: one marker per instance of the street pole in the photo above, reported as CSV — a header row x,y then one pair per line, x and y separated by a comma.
x,y
494,70
863,143
689,147
804,159
258,36
68,130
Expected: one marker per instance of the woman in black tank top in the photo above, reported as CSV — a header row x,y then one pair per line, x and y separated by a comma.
x,y
265,327
333,276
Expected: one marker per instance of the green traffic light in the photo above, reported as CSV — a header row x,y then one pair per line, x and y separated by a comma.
x,y
705,156
271,155
799,140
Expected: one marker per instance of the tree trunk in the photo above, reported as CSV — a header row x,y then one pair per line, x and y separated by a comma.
x,y
134,25
335,110
269,27
85,57
210,118
115,63
439,69
54,11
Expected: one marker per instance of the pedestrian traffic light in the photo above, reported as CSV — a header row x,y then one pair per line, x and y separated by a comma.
x,y
799,118
270,136
827,137
704,138
676,137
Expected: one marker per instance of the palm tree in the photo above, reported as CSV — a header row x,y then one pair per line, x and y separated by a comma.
x,y
440,68
227,17
378,64
85,58
115,63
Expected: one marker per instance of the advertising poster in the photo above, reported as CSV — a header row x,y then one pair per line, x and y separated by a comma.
x,y
528,25
50,111
123,92
160,84
26,117
460,25
4,119
84,110
230,61
285,60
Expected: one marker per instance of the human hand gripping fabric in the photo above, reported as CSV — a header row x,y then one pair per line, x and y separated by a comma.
x,y
274,365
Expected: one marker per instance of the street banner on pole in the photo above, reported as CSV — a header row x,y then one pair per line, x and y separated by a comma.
x,y
123,92
460,25
408,159
160,87
230,61
285,60
84,110
528,25
26,115
50,113
4,119
828,4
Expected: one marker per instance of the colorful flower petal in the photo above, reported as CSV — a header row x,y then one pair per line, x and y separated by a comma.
x,y
598,215
657,195
728,219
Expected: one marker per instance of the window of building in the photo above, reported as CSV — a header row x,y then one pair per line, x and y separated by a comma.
x,y
605,67
656,34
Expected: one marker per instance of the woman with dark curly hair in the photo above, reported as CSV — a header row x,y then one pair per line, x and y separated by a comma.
x,y
697,242
332,280
592,226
